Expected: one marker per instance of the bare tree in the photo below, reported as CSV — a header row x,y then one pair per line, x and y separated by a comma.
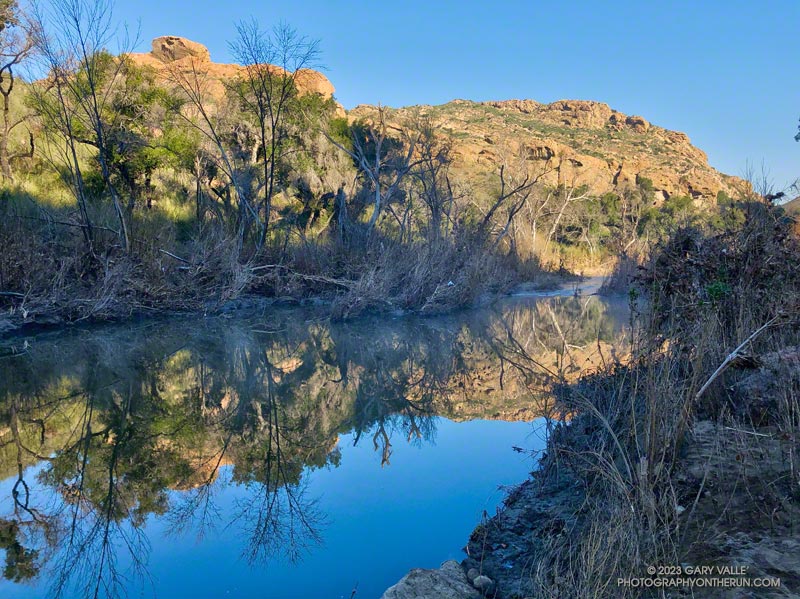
x,y
72,37
762,184
566,194
384,169
535,210
206,119
517,184
432,174
16,44
632,205
272,63
59,119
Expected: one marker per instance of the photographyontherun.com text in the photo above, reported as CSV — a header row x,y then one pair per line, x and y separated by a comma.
x,y
695,577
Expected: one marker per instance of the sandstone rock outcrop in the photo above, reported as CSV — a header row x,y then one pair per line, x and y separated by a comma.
x,y
169,47
580,142
172,53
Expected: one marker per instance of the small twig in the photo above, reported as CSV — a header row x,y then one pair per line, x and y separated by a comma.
x,y
738,430
733,355
346,283
171,255
11,294
52,220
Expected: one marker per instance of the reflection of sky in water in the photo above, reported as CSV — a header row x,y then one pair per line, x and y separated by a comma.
x,y
381,522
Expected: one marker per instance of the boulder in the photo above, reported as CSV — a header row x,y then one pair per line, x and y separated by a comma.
x,y
313,82
637,123
484,584
447,582
169,48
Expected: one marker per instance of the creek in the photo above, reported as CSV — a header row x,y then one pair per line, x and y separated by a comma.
x,y
274,453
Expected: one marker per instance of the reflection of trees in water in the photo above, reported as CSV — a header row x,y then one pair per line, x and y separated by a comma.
x,y
20,561
399,376
161,419
558,338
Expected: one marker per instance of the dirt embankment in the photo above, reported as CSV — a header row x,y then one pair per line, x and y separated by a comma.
x,y
734,499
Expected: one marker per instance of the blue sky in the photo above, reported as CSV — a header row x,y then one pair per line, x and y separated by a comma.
x,y
724,72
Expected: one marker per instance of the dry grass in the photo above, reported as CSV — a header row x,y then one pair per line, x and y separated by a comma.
x,y
673,458
49,276
622,275
427,279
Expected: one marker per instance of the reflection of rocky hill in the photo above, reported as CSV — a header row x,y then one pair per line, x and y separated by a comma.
x,y
327,379
529,346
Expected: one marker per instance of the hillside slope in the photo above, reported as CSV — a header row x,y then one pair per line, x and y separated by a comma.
x,y
591,143
792,206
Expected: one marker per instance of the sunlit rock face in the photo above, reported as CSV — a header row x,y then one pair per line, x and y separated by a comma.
x,y
572,142
169,48
171,53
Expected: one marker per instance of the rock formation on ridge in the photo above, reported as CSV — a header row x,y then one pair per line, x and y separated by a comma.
x,y
589,143
169,52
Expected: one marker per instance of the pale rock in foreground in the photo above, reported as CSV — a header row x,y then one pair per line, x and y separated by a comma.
x,y
448,582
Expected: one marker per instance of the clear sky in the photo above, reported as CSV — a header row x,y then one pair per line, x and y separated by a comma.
x,y
726,72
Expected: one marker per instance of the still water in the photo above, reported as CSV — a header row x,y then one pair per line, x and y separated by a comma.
x,y
274,454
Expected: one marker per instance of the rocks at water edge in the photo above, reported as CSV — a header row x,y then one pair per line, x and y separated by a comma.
x,y
484,584
447,582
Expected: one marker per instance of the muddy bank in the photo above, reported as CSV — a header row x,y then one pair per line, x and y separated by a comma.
x,y
735,522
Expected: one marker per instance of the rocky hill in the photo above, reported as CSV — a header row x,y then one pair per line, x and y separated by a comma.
x,y
591,143
793,206
171,52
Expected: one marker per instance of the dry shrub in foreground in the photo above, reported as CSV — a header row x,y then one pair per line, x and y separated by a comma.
x,y
48,276
675,459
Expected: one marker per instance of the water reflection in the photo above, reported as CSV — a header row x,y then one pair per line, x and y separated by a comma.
x,y
102,430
